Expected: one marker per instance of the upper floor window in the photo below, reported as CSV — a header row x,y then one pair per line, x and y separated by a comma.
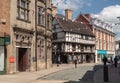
x,y
23,9
39,15
43,19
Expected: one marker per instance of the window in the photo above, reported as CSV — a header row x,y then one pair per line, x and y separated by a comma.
x,y
23,9
39,15
83,36
43,19
48,21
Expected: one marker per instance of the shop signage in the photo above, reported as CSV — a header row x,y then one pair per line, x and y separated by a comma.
x,y
11,59
1,41
7,40
103,52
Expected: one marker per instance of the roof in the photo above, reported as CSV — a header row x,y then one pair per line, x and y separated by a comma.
x,y
118,41
75,27
81,16
60,16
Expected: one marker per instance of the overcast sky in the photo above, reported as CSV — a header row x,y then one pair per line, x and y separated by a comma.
x,y
106,10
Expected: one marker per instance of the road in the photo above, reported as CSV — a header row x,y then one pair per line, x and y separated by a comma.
x,y
83,74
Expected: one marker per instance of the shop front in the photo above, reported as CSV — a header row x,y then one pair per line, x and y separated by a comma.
x,y
101,54
2,56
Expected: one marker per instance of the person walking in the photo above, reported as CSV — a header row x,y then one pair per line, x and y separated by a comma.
x,y
111,62
75,62
105,60
58,60
116,61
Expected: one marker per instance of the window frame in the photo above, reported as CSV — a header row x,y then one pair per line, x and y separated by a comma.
x,y
23,8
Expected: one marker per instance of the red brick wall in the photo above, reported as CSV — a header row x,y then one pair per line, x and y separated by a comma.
x,y
5,14
102,41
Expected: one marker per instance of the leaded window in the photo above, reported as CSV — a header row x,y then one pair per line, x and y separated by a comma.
x,y
23,9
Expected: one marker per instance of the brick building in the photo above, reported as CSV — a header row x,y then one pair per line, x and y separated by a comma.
x,y
104,36
28,25
4,30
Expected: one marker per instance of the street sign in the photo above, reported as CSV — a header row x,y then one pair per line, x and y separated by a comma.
x,y
11,59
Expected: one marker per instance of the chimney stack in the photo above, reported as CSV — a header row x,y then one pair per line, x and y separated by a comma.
x,y
68,14
88,16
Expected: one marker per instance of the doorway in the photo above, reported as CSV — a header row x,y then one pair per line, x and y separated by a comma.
x,y
22,59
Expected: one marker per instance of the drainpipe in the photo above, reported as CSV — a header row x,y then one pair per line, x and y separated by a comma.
x,y
45,34
36,32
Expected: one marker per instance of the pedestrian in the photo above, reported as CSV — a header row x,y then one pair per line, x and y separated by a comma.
x,y
111,61
105,60
116,61
58,60
75,62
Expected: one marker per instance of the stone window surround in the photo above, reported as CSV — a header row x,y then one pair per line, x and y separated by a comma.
x,y
23,8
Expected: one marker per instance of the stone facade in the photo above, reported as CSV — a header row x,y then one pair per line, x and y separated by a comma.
x,y
30,43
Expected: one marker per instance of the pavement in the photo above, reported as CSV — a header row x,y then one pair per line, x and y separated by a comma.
x,y
32,77
113,75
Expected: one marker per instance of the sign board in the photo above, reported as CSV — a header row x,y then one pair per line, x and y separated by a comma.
x,y
7,40
103,52
11,59
1,41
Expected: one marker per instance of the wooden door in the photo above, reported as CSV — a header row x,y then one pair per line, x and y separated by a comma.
x,y
22,59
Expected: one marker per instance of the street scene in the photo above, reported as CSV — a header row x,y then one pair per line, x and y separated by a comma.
x,y
59,41
84,73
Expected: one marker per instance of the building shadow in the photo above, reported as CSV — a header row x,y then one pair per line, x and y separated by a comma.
x,y
88,76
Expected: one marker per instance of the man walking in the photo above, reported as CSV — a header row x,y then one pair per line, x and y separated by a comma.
x,y
116,61
75,62
105,60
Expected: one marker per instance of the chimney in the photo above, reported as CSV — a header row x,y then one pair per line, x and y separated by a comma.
x,y
88,16
68,14
54,9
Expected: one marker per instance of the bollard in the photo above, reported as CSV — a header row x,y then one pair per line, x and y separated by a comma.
x,y
105,73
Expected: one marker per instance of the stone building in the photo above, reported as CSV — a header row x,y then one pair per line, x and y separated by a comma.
x,y
72,39
104,36
28,24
